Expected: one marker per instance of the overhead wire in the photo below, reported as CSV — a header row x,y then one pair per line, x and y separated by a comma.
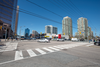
x,y
45,9
70,7
71,3
33,14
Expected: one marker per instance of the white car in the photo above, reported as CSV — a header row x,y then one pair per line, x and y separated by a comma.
x,y
60,39
44,40
74,39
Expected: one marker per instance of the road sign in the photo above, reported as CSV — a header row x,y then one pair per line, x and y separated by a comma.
x,y
80,32
41,33
46,36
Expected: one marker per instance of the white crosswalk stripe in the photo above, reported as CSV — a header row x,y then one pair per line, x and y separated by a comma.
x,y
67,46
31,53
48,49
54,48
18,55
58,47
63,46
41,51
89,45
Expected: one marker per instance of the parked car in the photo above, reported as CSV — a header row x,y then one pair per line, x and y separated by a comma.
x,y
54,39
33,38
28,38
49,38
74,39
82,40
60,39
44,40
97,42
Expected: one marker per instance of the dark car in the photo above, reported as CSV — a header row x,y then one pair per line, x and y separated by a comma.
x,y
97,42
28,38
82,40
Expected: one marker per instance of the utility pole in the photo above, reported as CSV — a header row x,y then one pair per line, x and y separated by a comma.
x,y
20,33
95,33
5,34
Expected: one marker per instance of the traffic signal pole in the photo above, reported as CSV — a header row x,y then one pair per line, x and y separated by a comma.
x,y
5,34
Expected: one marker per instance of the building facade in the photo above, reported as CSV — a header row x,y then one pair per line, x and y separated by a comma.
x,y
27,32
67,26
50,29
82,24
7,17
90,33
35,33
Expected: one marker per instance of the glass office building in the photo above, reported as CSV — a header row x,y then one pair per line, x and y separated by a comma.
x,y
8,16
27,32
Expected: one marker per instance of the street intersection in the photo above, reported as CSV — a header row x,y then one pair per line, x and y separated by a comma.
x,y
32,49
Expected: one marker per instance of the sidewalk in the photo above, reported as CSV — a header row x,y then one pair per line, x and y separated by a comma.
x,y
8,46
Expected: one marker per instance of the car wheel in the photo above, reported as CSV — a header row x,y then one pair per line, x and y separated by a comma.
x,y
47,42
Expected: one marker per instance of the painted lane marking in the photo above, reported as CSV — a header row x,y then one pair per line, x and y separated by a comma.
x,y
31,53
54,48
18,55
90,45
64,46
41,51
58,47
48,49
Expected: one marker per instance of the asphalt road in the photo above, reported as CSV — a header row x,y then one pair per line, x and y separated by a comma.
x,y
23,45
76,55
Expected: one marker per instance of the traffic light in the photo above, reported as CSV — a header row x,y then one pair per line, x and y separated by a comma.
x,y
0,27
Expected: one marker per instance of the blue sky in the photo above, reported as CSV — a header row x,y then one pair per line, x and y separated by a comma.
x,y
90,9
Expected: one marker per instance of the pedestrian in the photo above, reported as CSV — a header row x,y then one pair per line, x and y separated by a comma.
x,y
89,40
94,40
8,38
12,38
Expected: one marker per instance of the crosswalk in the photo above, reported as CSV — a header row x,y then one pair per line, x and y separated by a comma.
x,y
31,53
41,51
89,45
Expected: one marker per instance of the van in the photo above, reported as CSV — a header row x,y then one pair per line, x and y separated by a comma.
x,y
74,39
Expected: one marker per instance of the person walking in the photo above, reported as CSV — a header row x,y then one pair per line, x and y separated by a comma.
x,y
12,38
89,40
8,39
